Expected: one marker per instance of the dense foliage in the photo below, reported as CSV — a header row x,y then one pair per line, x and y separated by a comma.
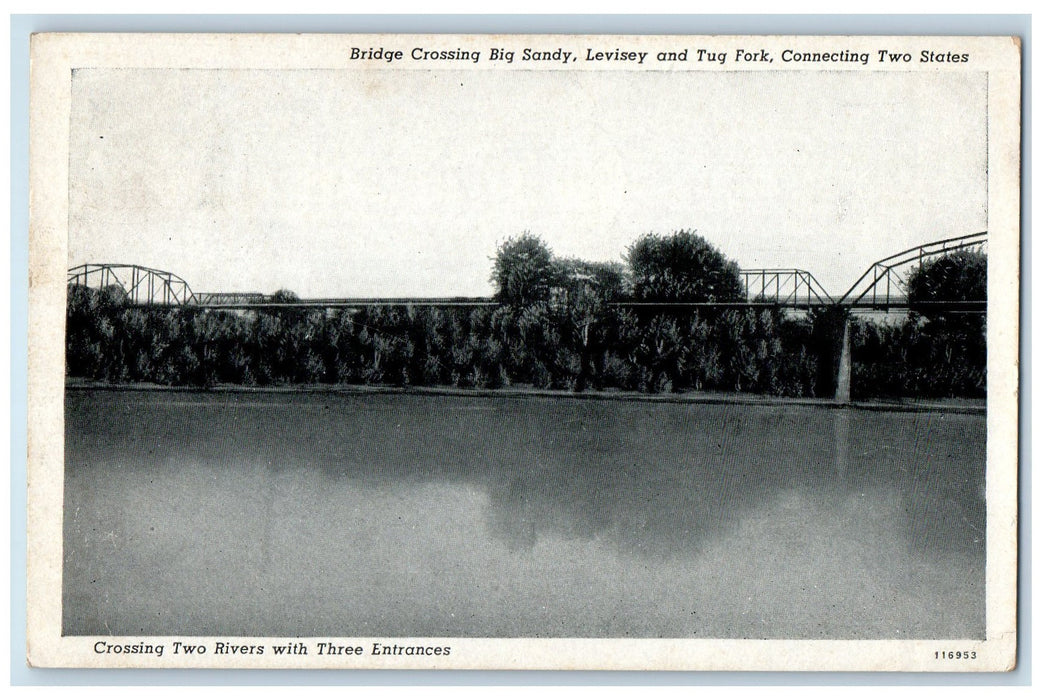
x,y
558,325
573,344
934,352
959,276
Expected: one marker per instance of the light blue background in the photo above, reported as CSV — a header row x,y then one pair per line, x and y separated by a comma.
x,y
24,25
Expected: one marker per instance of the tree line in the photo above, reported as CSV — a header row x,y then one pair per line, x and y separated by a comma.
x,y
558,324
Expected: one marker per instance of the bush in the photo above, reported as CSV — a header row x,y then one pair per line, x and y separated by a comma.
x,y
934,352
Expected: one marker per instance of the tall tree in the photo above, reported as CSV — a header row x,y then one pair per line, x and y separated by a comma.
x,y
682,267
953,349
523,271
958,276
583,302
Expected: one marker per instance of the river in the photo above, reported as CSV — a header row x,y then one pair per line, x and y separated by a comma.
x,y
310,514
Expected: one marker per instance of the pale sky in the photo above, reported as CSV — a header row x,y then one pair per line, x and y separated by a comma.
x,y
394,183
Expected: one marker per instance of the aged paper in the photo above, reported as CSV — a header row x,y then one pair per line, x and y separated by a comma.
x,y
215,499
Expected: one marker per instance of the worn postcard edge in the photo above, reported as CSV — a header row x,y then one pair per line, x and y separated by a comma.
x,y
52,58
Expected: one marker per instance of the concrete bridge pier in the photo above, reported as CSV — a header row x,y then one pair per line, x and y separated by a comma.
x,y
843,370
832,338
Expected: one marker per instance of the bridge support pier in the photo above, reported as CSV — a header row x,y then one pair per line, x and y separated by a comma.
x,y
843,370
832,341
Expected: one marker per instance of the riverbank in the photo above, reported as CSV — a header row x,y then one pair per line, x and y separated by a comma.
x,y
963,406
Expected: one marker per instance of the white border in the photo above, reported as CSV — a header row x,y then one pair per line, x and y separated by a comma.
x,y
53,57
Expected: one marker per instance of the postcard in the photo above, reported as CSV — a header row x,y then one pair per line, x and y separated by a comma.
x,y
524,352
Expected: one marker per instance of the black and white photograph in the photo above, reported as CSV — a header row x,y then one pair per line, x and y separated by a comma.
x,y
405,351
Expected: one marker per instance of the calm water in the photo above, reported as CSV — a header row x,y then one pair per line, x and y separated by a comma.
x,y
376,515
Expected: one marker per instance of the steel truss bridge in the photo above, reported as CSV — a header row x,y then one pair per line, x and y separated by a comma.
x,y
882,287
144,286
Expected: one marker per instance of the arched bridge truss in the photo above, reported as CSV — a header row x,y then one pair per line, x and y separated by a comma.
x,y
144,286
882,287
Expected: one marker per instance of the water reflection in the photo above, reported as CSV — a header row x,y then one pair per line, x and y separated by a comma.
x,y
470,516
841,438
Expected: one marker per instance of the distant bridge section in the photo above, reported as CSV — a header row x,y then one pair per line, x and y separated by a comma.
x,y
791,288
261,301
228,299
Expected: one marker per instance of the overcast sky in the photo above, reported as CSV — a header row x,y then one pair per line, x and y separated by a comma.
x,y
366,183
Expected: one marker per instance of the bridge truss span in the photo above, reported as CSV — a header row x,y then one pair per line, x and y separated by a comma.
x,y
229,299
144,286
784,287
884,285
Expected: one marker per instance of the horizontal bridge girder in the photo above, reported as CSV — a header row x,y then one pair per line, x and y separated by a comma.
x,y
345,304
